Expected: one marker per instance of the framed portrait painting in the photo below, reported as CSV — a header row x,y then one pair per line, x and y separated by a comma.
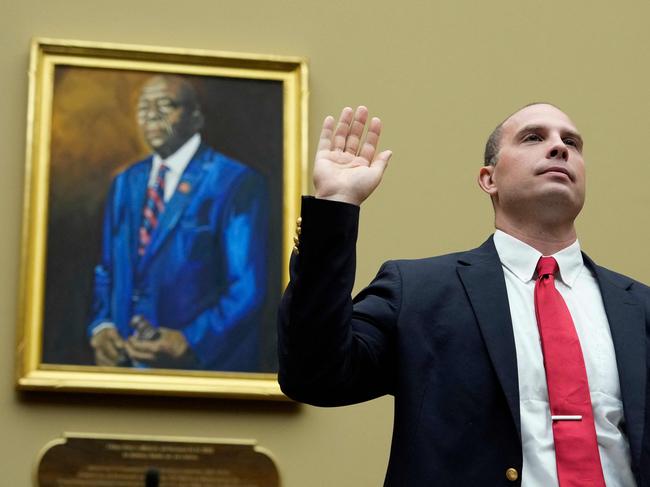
x,y
161,193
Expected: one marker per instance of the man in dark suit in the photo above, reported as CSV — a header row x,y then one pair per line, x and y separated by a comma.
x,y
461,340
182,271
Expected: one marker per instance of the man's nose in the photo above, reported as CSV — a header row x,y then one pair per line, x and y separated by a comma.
x,y
558,151
152,114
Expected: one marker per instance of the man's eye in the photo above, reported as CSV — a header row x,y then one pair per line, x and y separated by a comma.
x,y
166,104
164,107
570,141
532,138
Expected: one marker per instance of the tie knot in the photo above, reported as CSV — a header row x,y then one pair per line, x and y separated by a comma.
x,y
546,266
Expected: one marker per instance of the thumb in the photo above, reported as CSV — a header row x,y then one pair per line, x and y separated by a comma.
x,y
381,161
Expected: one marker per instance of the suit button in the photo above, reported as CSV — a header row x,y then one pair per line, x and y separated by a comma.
x,y
512,474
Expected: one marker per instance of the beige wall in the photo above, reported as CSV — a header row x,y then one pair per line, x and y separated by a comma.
x,y
441,74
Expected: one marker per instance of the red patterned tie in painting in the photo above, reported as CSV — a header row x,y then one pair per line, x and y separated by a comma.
x,y
153,208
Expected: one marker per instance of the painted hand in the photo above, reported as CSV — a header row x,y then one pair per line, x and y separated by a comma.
x,y
169,350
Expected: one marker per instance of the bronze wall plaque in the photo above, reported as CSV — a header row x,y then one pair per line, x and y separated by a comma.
x,y
80,460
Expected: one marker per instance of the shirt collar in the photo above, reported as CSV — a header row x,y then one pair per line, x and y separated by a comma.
x,y
521,259
178,161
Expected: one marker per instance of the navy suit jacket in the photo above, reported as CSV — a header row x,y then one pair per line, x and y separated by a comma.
x,y
204,271
437,334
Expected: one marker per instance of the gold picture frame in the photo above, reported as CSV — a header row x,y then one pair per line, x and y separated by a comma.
x,y
83,132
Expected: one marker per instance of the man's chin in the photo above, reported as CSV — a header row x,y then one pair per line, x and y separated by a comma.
x,y
561,200
560,190
155,144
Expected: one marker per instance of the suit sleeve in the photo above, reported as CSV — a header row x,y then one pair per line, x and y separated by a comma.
x,y
244,227
101,310
334,350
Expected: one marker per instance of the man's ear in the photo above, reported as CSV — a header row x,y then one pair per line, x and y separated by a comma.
x,y
197,119
486,180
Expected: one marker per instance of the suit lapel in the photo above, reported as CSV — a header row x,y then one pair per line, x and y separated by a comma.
x,y
482,276
187,187
627,324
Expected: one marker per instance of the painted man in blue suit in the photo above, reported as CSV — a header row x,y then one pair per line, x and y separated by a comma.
x,y
185,290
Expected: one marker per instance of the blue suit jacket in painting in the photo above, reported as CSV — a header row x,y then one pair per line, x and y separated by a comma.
x,y
203,272
437,334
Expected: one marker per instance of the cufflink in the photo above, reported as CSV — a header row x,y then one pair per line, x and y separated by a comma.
x,y
296,238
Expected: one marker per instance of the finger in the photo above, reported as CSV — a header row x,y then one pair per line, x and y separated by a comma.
x,y
342,129
109,350
356,130
135,354
101,359
144,346
116,341
372,139
325,140
104,342
381,161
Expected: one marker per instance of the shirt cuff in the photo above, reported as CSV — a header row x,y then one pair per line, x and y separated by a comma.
x,y
101,326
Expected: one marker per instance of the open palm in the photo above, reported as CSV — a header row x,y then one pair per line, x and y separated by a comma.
x,y
346,168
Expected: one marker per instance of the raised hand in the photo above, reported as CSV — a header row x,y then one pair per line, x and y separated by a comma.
x,y
347,169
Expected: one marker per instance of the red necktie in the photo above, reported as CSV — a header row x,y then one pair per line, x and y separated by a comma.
x,y
153,208
574,433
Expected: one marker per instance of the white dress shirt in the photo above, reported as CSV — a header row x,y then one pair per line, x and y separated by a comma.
x,y
177,162
579,288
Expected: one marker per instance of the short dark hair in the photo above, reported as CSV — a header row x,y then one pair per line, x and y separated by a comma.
x,y
493,144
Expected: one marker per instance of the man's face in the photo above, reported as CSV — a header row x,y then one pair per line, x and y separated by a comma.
x,y
163,115
540,161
